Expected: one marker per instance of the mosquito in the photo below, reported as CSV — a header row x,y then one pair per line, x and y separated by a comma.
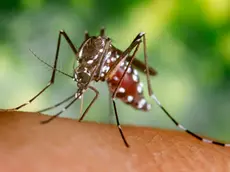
x,y
99,60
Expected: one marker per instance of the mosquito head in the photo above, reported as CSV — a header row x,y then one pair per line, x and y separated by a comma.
x,y
82,77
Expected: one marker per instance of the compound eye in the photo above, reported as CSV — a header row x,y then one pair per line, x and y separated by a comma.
x,y
84,77
80,60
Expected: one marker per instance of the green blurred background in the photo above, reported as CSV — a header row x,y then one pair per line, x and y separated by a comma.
x,y
188,44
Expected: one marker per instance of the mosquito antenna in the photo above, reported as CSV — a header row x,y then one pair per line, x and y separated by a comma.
x,y
50,65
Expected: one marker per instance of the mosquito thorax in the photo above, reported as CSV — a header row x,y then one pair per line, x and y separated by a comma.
x,y
89,55
91,49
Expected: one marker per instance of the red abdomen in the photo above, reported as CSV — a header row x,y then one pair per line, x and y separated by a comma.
x,y
131,89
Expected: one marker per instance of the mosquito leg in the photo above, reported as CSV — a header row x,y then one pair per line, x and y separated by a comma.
x,y
118,124
129,49
152,95
135,44
63,110
110,109
87,35
150,92
53,72
91,103
63,33
56,105
82,103
102,32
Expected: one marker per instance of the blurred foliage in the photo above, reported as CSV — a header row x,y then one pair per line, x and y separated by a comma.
x,y
188,43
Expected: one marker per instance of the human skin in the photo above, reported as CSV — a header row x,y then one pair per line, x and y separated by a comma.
x,y
67,145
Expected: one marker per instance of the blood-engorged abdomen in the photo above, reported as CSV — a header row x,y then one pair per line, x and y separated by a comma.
x,y
131,89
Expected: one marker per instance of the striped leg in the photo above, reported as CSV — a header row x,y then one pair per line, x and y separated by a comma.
x,y
56,105
82,104
61,33
118,124
152,95
134,45
77,96
110,115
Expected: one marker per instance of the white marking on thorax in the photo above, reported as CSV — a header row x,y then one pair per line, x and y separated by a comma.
x,y
95,57
90,62
108,55
113,59
86,71
105,69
